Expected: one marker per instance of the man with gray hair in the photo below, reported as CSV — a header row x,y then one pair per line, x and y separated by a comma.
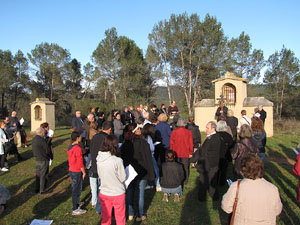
x,y
77,121
146,117
43,154
207,159
262,113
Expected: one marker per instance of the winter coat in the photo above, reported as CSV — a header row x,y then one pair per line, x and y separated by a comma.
x,y
163,134
172,175
296,170
233,122
258,202
195,133
243,148
260,140
142,155
181,142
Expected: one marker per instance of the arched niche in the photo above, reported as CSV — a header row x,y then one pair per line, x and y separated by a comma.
x,y
229,93
38,112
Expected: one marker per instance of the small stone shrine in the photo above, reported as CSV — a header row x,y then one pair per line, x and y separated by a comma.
x,y
233,90
42,110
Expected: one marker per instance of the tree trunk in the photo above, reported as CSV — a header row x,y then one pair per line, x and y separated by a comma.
x,y
281,99
114,93
105,95
185,87
2,100
168,82
51,88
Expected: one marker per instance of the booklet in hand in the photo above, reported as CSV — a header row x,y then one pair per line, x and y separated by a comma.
x,y
229,182
295,151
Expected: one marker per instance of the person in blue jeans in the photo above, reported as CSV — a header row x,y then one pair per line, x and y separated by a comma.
x,y
77,172
172,177
142,163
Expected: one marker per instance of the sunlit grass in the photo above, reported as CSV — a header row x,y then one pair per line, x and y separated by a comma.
x,y
25,205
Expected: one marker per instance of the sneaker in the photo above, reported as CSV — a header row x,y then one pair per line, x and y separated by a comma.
x,y
148,187
158,189
4,169
139,219
130,218
176,198
166,198
78,212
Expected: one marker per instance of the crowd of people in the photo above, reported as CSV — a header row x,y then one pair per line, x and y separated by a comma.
x,y
160,146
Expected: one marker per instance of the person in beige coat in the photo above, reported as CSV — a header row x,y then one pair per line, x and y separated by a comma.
x,y
258,200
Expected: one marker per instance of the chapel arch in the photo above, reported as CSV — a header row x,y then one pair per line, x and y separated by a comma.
x,y
229,92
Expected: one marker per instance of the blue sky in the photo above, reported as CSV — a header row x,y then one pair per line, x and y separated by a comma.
x,y
79,25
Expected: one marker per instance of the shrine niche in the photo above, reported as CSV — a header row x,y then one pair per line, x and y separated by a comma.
x,y
233,91
38,112
42,110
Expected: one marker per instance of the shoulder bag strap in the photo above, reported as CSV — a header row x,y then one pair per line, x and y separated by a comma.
x,y
246,120
235,202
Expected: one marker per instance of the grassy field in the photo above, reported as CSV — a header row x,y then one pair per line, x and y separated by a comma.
x,y
25,205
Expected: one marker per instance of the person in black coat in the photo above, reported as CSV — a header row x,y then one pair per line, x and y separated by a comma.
x,y
95,145
221,110
43,154
195,132
207,158
100,120
172,177
126,117
77,122
263,113
225,154
232,122
145,170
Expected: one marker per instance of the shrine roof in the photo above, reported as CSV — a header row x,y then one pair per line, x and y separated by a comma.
x,y
230,76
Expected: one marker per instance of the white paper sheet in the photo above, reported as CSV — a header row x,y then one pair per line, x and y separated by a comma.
x,y
41,222
156,143
295,151
21,121
130,175
229,182
50,133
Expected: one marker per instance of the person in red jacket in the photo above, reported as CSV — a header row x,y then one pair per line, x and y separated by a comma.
x,y
296,170
181,142
76,171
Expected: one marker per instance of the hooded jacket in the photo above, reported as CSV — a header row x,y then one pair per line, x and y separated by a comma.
x,y
111,173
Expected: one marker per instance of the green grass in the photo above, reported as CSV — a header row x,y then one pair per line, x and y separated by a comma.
x,y
25,205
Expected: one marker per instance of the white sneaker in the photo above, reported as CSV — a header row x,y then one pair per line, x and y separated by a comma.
x,y
4,169
78,212
148,187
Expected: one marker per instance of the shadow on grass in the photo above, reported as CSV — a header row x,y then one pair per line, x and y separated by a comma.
x,y
19,196
58,142
194,211
12,161
287,216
